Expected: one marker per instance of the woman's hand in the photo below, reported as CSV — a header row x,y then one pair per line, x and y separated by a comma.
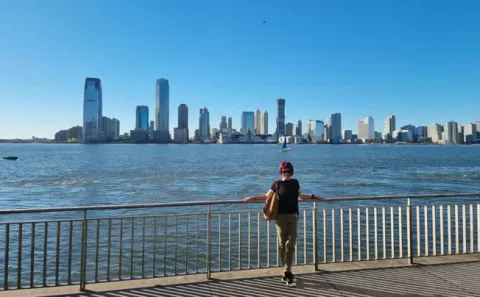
x,y
249,198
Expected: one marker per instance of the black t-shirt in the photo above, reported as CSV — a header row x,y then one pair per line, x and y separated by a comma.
x,y
288,193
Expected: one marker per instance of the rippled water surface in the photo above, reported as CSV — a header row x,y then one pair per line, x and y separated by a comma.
x,y
70,175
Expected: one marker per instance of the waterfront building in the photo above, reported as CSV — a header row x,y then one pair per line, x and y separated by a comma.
x,y
335,128
264,124
280,117
390,126
315,131
248,122
141,121
92,110
366,129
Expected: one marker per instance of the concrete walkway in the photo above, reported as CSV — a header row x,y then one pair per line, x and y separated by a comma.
x,y
460,280
427,278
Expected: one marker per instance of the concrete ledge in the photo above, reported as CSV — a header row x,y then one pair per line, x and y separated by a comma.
x,y
242,274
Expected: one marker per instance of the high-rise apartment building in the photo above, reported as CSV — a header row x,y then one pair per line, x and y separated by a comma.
x,y
389,127
223,124
280,117
162,100
182,116
204,123
451,132
289,129
470,133
434,132
229,124
181,132
298,128
335,128
315,130
248,122
366,129
264,129
92,110
141,121
258,122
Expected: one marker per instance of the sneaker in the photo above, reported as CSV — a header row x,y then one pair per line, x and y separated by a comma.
x,y
288,277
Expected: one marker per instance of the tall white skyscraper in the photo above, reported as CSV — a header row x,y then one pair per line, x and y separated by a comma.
x,y
258,121
366,129
92,111
162,100
434,132
264,129
390,126
335,127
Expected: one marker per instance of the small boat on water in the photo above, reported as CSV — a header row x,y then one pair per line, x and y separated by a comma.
x,y
10,158
284,146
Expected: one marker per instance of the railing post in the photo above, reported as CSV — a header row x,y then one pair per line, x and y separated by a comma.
x,y
209,241
83,253
409,231
315,236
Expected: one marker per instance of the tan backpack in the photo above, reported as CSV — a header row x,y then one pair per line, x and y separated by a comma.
x,y
270,209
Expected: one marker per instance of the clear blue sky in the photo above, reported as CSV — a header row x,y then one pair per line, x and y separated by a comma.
x,y
417,59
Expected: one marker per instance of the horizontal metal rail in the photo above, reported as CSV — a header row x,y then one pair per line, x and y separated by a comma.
x,y
223,202
112,247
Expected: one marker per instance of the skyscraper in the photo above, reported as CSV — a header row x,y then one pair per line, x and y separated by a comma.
x,y
289,129
181,132
142,117
204,123
152,128
470,133
451,132
434,132
366,129
335,128
264,123
182,116
315,130
229,124
162,100
92,110
390,126
248,122
258,121
280,117
223,124
298,128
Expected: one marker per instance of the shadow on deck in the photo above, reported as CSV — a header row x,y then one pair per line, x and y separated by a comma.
x,y
458,279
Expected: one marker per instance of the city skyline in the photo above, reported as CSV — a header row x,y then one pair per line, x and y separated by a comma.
x,y
374,59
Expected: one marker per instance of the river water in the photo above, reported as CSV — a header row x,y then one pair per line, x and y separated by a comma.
x,y
123,244
52,175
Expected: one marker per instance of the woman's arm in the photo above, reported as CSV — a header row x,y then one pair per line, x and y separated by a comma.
x,y
309,197
260,197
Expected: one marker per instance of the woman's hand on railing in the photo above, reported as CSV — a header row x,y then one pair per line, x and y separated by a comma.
x,y
246,199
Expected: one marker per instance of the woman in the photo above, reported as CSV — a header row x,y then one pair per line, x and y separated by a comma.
x,y
286,221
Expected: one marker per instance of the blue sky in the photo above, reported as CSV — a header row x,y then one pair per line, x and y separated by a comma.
x,y
419,60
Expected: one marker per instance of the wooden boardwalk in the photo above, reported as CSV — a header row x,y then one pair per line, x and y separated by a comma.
x,y
421,280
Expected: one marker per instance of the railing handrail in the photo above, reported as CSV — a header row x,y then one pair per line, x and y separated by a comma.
x,y
223,202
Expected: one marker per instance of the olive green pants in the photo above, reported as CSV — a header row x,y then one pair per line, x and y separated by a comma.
x,y
286,238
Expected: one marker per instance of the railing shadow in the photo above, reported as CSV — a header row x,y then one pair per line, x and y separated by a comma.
x,y
416,281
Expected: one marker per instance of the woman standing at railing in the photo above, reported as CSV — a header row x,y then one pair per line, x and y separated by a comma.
x,y
286,221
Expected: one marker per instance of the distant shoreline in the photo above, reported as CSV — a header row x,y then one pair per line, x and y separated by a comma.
x,y
251,143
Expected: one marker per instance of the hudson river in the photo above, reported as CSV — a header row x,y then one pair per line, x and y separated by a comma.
x,y
53,175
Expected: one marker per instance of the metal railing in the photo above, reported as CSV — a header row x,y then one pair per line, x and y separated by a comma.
x,y
100,246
